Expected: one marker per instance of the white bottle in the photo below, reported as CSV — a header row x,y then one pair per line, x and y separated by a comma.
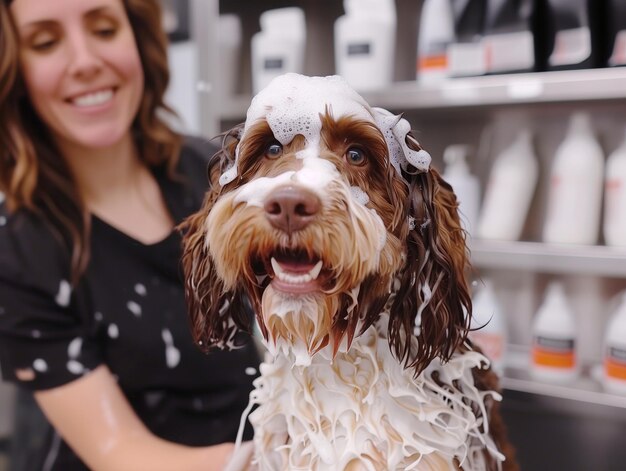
x,y
614,227
553,352
510,190
279,47
365,39
576,183
614,371
229,45
488,318
436,33
465,185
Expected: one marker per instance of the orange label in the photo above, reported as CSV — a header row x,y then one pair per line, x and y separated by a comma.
x,y
553,359
615,363
433,62
554,353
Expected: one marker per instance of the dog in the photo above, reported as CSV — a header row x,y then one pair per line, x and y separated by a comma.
x,y
326,215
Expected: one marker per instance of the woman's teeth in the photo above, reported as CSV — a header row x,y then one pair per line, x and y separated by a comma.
x,y
93,99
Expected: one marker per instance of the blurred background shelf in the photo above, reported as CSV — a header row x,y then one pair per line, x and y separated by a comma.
x,y
546,258
568,86
586,389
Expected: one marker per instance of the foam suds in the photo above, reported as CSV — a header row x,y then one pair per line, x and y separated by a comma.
x,y
292,105
363,409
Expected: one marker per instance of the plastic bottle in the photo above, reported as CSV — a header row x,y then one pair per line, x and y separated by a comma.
x,y
510,191
465,185
616,30
614,371
229,44
509,40
574,39
488,318
279,46
614,227
576,183
466,54
553,355
365,39
436,32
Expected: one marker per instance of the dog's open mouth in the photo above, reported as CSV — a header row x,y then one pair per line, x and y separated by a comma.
x,y
294,271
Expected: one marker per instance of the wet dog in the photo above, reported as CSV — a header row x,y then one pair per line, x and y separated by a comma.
x,y
326,215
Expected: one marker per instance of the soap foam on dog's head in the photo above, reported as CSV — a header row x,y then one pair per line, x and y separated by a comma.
x,y
292,105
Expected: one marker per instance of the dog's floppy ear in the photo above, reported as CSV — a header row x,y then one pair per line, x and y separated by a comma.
x,y
433,296
216,315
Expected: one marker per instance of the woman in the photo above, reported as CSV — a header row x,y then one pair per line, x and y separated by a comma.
x,y
92,313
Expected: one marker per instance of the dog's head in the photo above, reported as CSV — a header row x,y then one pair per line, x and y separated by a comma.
x,y
325,212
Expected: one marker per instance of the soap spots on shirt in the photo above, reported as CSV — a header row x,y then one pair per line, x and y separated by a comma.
x,y
3,220
113,331
40,365
140,289
36,334
98,316
2,311
63,296
250,371
172,354
134,308
73,352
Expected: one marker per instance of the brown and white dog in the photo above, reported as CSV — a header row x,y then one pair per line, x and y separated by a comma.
x,y
325,214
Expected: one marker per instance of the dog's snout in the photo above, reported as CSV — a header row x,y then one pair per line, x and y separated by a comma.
x,y
291,208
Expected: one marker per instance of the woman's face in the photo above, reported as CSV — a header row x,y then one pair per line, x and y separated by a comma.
x,y
81,67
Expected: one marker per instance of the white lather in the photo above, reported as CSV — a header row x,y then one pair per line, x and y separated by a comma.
x,y
365,411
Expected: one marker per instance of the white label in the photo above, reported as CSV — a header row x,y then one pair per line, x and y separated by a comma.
x,y
511,51
619,50
571,46
466,59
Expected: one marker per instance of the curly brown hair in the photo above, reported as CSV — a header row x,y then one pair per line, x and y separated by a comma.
x,y
33,176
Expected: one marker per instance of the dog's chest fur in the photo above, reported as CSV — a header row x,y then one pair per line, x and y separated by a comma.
x,y
364,411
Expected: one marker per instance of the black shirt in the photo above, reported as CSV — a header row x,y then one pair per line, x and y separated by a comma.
x,y
129,313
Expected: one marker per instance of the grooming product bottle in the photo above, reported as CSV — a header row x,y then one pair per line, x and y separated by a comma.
x,y
614,226
466,54
279,47
616,30
436,33
465,185
510,191
576,184
365,39
614,377
488,326
229,46
553,356
573,34
509,40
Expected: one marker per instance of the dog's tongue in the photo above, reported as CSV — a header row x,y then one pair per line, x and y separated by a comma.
x,y
295,267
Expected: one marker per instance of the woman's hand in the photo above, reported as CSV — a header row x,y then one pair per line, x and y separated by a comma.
x,y
95,419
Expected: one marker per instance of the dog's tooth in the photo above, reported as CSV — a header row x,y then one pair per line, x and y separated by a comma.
x,y
315,272
276,266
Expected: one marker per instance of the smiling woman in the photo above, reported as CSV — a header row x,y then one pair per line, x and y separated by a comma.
x,y
92,310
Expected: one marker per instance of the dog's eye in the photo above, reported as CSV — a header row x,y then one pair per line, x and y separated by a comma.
x,y
355,156
274,150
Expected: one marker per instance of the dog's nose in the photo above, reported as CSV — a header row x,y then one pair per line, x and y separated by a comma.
x,y
291,208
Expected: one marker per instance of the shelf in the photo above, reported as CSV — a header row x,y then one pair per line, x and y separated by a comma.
x,y
582,390
585,389
546,258
540,87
